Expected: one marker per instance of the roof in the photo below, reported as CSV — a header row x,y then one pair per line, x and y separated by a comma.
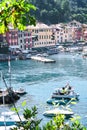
x,y
38,26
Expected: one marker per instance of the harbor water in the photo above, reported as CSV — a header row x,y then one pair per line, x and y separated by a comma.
x,y
40,80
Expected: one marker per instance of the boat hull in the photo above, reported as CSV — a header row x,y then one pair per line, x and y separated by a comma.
x,y
9,119
55,101
65,96
55,112
7,123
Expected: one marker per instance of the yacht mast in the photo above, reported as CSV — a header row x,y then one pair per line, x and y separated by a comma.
x,y
3,102
9,70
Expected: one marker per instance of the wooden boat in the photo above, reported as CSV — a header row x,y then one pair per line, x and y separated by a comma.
x,y
9,96
57,111
9,119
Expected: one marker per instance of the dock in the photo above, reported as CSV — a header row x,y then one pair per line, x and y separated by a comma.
x,y
42,59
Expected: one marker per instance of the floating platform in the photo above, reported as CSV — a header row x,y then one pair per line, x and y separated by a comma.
x,y
42,59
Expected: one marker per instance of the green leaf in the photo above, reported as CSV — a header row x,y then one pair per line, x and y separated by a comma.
x,y
23,104
15,109
16,13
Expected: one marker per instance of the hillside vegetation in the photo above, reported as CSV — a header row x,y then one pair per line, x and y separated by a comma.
x,y
56,11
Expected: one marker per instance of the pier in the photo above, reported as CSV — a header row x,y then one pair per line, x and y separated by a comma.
x,y
42,59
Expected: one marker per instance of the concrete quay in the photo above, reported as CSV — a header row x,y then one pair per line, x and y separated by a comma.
x,y
5,57
42,59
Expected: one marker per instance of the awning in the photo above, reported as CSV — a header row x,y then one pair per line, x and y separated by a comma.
x,y
14,46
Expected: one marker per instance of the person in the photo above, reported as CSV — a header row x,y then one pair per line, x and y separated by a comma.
x,y
63,91
69,89
67,86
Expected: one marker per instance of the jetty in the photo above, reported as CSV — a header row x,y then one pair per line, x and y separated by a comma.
x,y
42,59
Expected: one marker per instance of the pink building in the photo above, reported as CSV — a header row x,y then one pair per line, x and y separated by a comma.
x,y
12,37
77,34
85,35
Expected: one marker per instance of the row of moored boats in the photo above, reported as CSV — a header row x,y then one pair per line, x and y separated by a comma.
x,y
60,97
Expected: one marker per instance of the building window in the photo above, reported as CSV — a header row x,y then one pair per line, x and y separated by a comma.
x,y
65,40
24,40
20,41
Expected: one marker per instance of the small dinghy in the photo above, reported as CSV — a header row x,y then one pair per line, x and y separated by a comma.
x,y
20,92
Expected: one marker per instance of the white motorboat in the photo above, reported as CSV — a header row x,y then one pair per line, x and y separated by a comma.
x,y
65,93
7,127
10,118
65,96
57,111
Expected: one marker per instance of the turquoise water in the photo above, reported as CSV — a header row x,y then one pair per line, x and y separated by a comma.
x,y
40,80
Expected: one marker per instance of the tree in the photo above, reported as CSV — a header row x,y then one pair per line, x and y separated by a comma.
x,y
15,13
30,123
57,123
65,6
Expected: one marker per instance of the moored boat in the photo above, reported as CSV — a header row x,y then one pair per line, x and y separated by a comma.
x,y
66,92
68,96
9,119
55,101
9,96
57,111
20,92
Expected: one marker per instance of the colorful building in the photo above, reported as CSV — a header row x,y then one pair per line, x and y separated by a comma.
x,y
12,37
25,39
43,35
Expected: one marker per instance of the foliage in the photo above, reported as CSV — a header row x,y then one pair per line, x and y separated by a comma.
x,y
57,123
15,13
31,122
56,11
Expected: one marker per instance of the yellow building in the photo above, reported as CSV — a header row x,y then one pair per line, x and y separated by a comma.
x,y
42,34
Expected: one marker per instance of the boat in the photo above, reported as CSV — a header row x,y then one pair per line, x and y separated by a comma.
x,y
9,96
56,101
20,92
52,51
10,119
40,58
66,92
65,96
58,111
